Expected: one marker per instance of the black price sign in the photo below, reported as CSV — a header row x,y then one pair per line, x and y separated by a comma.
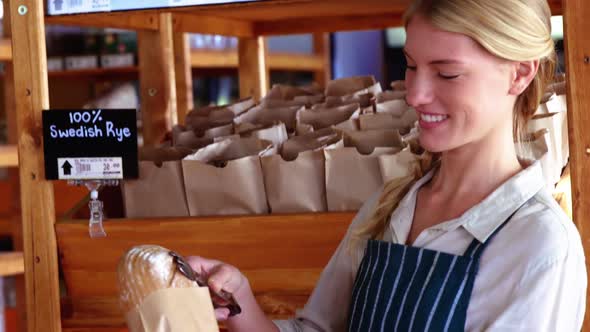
x,y
90,144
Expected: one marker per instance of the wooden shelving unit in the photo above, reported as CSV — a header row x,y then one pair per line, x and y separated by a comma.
x,y
272,245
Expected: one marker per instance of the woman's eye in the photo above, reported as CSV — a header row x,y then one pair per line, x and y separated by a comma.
x,y
412,68
448,77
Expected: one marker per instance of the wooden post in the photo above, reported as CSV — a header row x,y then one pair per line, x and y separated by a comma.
x,y
17,227
577,49
184,76
157,80
321,47
252,71
37,205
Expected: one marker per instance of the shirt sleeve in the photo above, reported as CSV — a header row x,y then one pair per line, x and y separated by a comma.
x,y
328,305
550,297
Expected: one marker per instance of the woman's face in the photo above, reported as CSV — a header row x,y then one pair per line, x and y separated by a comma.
x,y
460,91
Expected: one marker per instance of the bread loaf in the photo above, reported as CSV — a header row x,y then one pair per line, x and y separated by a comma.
x,y
145,269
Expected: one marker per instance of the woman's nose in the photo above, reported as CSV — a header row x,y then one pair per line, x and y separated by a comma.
x,y
419,91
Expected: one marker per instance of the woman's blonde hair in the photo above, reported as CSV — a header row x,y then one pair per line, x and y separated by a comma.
x,y
515,30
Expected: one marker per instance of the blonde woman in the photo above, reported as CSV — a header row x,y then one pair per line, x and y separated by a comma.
x,y
477,243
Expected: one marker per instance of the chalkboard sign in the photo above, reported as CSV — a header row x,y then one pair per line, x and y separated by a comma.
x,y
90,144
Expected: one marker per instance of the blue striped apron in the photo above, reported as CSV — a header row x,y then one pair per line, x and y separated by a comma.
x,y
404,288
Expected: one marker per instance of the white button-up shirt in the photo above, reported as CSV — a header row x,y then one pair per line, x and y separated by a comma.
x,y
532,276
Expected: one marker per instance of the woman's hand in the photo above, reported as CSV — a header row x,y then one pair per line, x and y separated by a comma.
x,y
220,276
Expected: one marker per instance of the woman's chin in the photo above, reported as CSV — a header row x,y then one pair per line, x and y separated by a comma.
x,y
432,145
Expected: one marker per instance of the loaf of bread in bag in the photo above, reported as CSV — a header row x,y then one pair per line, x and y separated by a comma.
x,y
145,269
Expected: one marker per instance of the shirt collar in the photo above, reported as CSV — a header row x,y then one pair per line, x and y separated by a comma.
x,y
484,218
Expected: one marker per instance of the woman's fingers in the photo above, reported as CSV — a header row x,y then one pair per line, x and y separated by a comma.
x,y
202,265
221,314
225,277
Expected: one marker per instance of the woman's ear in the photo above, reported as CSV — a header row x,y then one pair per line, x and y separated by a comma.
x,y
523,75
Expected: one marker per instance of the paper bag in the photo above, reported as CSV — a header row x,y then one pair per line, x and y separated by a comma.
x,y
270,116
323,118
350,85
295,186
189,139
395,107
174,310
233,187
556,123
286,92
161,169
381,121
295,179
537,147
276,134
366,141
351,178
402,164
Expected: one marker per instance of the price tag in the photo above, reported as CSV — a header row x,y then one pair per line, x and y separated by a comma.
x,y
90,144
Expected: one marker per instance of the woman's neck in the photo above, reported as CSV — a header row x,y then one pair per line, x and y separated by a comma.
x,y
477,169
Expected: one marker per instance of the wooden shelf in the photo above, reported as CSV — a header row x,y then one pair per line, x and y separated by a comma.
x,y
206,60
262,18
276,61
8,156
11,263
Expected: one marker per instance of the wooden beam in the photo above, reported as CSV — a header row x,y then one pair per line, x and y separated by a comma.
x,y
322,49
252,71
157,80
8,156
184,75
577,50
327,24
120,20
276,61
37,201
212,25
11,263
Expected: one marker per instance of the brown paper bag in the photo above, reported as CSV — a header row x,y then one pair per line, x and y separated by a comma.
x,y
174,310
348,86
390,95
402,164
351,178
381,121
295,186
189,139
286,92
276,134
537,147
395,107
270,116
323,118
236,187
295,180
200,122
366,141
556,123
161,169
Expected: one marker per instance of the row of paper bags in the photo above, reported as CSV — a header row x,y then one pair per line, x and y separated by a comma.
x,y
321,171
547,135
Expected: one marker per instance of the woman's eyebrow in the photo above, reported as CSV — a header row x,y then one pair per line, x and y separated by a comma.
x,y
438,62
